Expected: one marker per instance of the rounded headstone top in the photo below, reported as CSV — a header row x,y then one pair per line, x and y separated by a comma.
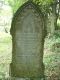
x,y
28,5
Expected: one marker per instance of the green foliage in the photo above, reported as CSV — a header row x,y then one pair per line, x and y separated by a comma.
x,y
15,4
57,34
54,42
43,4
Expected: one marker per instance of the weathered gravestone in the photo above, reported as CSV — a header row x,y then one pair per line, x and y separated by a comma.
x,y
27,32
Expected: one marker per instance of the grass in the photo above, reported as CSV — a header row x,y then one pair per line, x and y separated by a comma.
x,y
52,58
5,54
5,41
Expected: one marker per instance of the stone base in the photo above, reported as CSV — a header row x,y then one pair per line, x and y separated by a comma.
x,y
42,77
29,73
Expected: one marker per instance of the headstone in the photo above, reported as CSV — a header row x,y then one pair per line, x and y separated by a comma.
x,y
27,32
